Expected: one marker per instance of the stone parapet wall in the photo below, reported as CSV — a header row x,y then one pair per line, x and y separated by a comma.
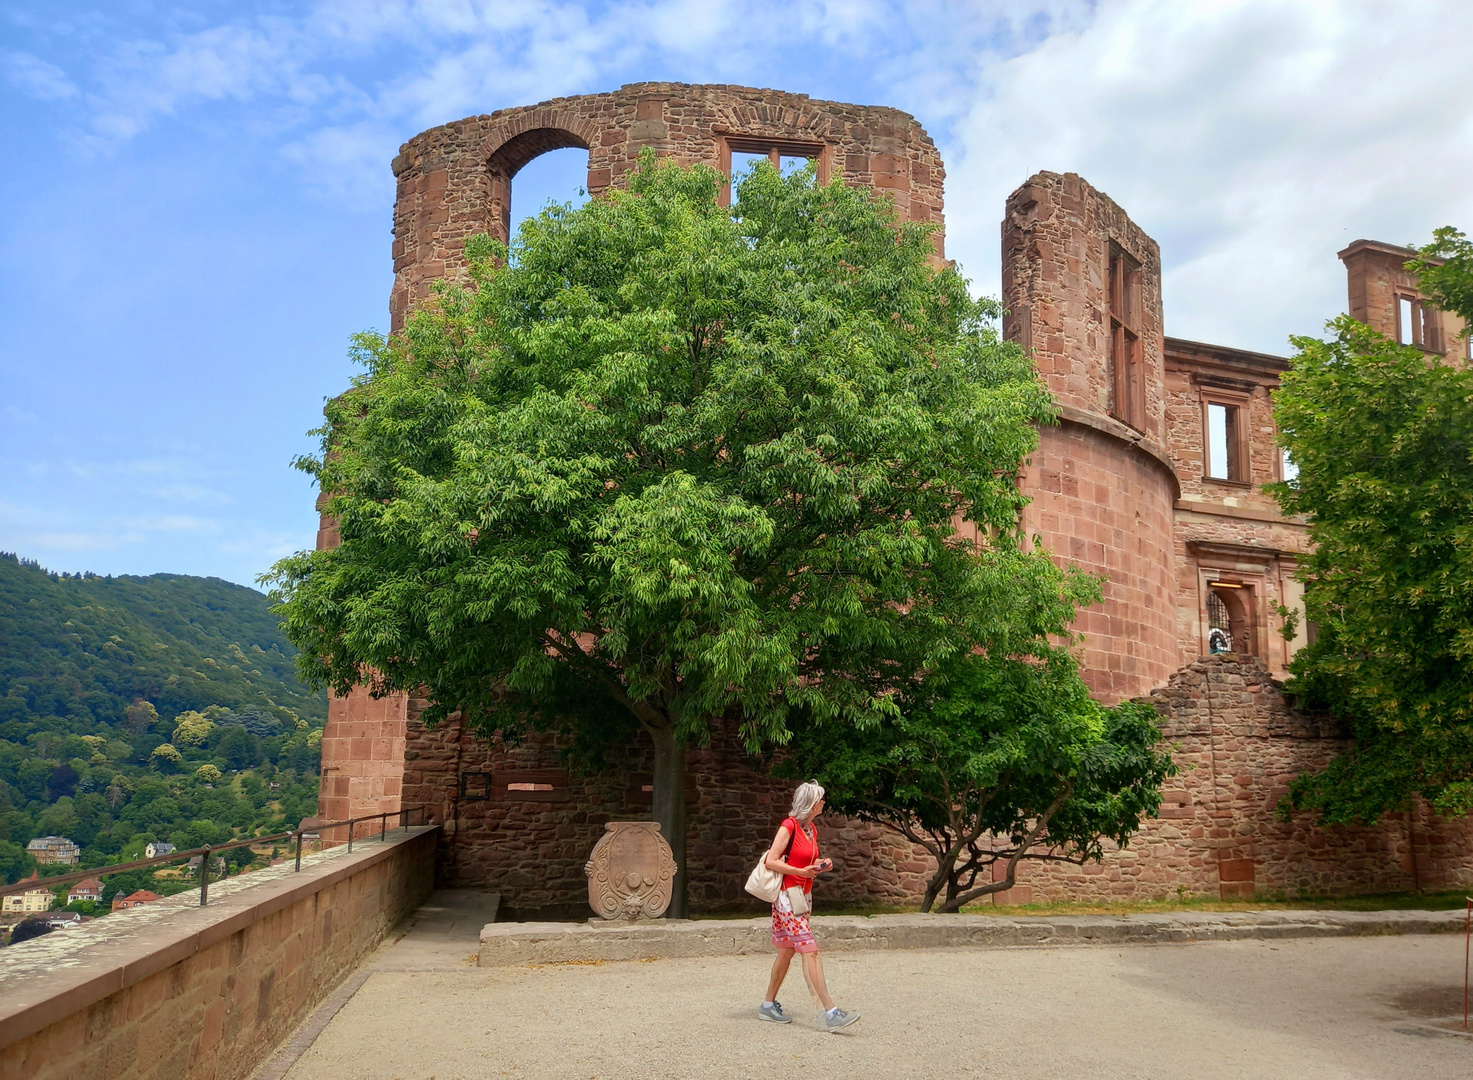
x,y
180,992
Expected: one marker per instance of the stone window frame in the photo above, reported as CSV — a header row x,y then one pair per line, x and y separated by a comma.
x,y
1426,329
1240,439
1251,589
1124,286
775,149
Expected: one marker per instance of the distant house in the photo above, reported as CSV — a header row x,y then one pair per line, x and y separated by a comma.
x,y
133,900
64,920
54,851
28,902
217,862
157,848
89,889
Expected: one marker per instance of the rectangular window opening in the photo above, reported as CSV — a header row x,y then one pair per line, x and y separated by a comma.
x,y
1224,451
1287,467
741,164
1407,328
788,156
1127,361
788,164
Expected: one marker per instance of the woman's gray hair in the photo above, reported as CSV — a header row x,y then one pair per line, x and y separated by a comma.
x,y
805,799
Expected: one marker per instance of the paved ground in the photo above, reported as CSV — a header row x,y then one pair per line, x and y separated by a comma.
x,y
1302,1009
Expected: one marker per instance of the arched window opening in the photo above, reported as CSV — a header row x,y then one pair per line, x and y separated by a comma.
x,y
545,164
558,176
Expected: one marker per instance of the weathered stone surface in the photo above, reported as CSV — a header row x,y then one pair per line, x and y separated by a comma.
x,y
175,990
1102,491
456,180
508,944
630,872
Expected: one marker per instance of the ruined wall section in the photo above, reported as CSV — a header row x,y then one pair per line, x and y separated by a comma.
x,y
1102,491
455,180
1231,530
1377,279
531,845
1238,744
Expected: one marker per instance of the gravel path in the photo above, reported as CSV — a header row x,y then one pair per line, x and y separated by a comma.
x,y
1302,1009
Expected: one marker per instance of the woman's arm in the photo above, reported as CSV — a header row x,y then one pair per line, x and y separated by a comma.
x,y
775,855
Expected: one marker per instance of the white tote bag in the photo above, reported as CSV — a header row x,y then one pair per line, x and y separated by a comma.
x,y
763,883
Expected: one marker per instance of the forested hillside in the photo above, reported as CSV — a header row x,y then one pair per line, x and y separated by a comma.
x,y
146,708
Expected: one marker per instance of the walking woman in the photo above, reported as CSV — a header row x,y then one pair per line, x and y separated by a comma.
x,y
794,854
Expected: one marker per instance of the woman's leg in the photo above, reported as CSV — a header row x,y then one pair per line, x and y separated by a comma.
x,y
813,974
779,973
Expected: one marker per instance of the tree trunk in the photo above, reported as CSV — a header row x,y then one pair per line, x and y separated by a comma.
x,y
669,809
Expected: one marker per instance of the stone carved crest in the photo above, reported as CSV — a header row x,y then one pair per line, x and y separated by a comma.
x,y
630,872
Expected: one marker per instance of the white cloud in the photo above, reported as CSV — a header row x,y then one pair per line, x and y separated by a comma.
x,y
1252,139
36,78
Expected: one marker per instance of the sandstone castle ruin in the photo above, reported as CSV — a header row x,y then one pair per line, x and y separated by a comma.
x,y
1152,479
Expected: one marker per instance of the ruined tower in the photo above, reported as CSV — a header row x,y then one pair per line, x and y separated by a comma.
x,y
1081,283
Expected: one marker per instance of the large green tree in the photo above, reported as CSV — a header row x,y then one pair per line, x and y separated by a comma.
x,y
666,460
1383,437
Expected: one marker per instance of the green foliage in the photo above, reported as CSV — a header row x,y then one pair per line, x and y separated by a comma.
x,y
165,758
15,861
665,461
78,751
1383,436
998,758
94,649
1444,270
191,729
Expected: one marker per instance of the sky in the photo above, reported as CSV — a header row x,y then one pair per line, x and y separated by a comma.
x,y
195,199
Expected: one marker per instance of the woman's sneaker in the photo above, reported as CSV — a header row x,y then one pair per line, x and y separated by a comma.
x,y
773,1012
838,1018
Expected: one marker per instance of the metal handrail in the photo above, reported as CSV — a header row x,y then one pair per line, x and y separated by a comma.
x,y
210,850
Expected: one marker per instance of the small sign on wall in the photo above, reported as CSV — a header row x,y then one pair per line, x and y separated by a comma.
x,y
475,786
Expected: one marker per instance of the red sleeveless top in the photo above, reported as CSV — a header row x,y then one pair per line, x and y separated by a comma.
x,y
803,853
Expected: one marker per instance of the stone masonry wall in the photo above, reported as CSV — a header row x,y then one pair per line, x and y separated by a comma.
x,y
1102,491
1238,744
1235,739
531,846
455,180
207,993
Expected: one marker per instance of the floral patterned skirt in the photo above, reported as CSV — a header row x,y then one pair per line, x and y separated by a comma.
x,y
790,931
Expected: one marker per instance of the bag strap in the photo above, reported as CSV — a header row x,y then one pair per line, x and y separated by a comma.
x,y
792,835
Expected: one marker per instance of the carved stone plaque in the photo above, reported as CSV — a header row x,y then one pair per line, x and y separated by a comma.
x,y
630,872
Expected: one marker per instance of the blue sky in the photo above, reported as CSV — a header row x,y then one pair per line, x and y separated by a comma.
x,y
197,196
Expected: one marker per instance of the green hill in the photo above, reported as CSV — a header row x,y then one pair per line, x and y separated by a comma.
x,y
146,708
86,647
